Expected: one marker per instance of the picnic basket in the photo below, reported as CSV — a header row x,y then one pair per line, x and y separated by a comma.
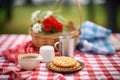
x,y
40,39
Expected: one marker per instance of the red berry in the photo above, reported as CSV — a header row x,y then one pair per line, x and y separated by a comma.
x,y
38,20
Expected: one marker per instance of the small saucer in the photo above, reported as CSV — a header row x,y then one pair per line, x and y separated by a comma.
x,y
67,72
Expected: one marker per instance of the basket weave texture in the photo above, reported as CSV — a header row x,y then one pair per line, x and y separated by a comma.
x,y
50,39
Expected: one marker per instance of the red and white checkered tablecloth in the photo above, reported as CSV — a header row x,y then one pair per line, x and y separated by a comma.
x,y
97,67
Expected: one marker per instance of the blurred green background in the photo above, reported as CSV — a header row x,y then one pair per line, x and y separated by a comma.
x,y
20,19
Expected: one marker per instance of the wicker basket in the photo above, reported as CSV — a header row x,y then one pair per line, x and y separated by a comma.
x,y
42,39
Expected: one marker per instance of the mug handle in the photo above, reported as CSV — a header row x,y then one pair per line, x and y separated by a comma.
x,y
55,45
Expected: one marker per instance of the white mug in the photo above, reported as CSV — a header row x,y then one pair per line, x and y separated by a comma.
x,y
47,52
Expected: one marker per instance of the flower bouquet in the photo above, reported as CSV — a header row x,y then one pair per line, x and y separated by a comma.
x,y
47,27
48,22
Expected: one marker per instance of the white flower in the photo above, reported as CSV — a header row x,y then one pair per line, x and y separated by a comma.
x,y
49,13
37,28
35,16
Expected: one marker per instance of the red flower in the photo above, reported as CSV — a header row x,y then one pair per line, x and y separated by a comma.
x,y
59,27
46,21
47,27
52,22
54,19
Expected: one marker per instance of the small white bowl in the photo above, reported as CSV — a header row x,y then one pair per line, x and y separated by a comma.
x,y
29,61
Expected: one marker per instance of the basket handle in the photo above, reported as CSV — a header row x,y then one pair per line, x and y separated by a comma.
x,y
78,6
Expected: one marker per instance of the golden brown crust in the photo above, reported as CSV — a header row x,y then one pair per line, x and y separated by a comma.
x,y
57,68
64,64
64,61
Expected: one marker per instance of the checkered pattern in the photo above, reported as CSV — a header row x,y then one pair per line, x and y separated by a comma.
x,y
95,39
97,67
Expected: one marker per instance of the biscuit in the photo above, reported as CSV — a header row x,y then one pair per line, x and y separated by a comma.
x,y
64,61
61,69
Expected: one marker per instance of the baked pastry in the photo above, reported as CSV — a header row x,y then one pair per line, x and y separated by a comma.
x,y
62,64
64,61
57,68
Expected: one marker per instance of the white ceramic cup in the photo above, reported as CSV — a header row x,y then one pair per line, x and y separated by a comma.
x,y
29,61
47,52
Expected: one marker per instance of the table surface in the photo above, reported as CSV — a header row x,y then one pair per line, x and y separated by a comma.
x,y
97,67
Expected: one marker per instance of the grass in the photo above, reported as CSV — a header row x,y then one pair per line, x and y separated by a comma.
x,y
21,17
